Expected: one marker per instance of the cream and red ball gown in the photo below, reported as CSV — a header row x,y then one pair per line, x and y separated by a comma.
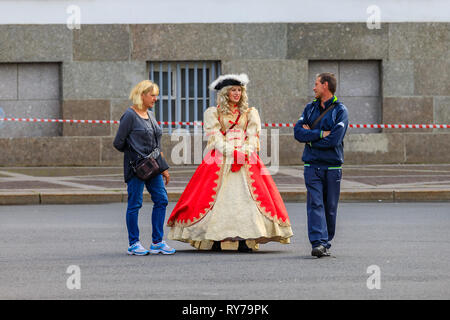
x,y
221,205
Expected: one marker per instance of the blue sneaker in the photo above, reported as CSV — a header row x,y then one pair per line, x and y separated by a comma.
x,y
161,247
137,249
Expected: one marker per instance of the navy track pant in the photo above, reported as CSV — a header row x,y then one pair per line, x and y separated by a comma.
x,y
323,185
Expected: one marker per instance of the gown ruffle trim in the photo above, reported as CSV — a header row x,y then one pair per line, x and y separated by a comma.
x,y
233,245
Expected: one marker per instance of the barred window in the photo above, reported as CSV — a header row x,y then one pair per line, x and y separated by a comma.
x,y
184,94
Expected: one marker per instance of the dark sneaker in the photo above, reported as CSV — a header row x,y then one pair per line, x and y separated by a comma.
x,y
320,251
216,246
243,247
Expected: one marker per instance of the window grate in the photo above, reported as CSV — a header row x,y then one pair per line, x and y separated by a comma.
x,y
183,90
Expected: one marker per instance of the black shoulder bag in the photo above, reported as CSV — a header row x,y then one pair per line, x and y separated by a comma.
x,y
149,166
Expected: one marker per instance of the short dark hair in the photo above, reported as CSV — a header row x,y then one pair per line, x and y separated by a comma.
x,y
330,78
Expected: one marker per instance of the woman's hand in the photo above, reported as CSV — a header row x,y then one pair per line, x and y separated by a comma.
x,y
166,177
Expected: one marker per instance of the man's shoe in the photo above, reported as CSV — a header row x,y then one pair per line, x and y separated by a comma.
x,y
320,251
137,249
161,247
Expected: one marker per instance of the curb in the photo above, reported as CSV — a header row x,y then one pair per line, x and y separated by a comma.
x,y
94,197
23,198
80,197
421,195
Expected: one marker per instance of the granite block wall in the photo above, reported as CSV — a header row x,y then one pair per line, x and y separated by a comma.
x,y
397,74
30,90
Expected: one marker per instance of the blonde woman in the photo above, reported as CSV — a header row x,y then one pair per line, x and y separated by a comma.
x,y
138,135
231,202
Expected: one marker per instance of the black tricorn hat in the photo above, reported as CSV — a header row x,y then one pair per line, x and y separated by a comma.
x,y
229,80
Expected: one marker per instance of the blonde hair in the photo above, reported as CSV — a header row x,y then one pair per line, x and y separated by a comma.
x,y
222,100
141,88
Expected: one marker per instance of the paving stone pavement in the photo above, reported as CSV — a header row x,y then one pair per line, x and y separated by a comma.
x,y
389,183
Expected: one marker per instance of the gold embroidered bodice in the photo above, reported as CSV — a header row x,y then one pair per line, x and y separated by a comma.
x,y
244,136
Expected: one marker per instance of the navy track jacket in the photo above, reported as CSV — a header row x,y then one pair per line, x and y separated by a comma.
x,y
328,151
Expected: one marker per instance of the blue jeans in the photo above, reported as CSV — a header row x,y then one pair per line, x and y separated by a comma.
x,y
158,195
323,187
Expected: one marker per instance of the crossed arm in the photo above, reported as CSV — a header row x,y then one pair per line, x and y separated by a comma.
x,y
324,133
317,138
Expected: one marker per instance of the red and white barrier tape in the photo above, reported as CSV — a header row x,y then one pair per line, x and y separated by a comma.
x,y
375,126
58,120
401,126
273,125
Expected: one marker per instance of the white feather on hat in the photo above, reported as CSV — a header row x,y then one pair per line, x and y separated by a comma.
x,y
228,80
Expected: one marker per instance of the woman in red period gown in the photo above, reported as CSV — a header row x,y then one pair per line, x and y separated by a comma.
x,y
231,201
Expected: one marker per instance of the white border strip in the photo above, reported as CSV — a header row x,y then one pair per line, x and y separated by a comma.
x,y
230,11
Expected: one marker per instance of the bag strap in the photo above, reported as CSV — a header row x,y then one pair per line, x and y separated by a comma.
x,y
322,115
140,156
153,127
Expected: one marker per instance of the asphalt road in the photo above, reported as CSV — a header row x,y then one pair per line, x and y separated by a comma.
x,y
404,246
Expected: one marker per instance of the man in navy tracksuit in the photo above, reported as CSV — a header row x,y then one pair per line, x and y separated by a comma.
x,y
323,157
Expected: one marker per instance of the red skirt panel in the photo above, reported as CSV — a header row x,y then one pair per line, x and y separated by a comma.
x,y
265,192
200,193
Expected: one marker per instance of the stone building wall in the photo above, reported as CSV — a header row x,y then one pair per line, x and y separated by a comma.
x,y
397,74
